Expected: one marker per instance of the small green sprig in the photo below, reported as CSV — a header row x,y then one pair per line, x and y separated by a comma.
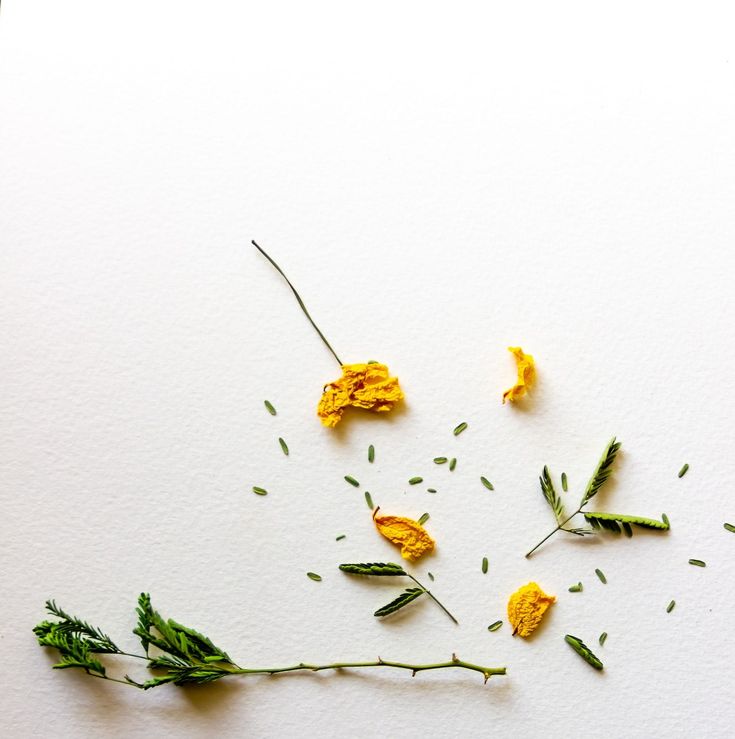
x,y
184,656
609,521
390,569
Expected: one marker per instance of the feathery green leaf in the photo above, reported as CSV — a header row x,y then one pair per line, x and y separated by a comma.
x,y
583,651
406,597
551,496
614,521
603,471
380,569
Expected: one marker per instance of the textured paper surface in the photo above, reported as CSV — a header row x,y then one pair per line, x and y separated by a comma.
x,y
440,183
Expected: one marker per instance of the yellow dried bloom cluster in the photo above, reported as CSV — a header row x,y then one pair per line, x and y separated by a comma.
x,y
526,374
527,607
368,386
408,534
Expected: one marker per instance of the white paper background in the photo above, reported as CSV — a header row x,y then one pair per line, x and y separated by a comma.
x,y
439,181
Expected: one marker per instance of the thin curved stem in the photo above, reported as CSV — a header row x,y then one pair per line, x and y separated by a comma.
x,y
300,302
436,600
486,672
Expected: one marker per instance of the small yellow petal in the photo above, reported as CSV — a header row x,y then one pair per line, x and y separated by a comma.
x,y
368,386
527,607
408,534
526,374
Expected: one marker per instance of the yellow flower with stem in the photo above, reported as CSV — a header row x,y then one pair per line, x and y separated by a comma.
x,y
368,386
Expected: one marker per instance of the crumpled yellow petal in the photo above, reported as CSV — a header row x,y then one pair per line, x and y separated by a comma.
x,y
527,607
526,374
408,534
368,386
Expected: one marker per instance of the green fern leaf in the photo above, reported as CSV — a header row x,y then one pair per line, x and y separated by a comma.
x,y
603,471
615,521
406,597
551,496
379,569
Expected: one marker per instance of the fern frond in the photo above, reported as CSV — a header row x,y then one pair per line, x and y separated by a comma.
x,y
75,651
96,640
379,569
551,496
406,597
615,521
184,645
145,620
602,472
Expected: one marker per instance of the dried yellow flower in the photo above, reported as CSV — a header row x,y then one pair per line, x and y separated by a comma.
x,y
527,607
408,534
526,374
368,386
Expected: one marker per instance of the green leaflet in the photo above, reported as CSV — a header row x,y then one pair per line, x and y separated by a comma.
x,y
379,569
406,597
551,496
603,471
583,651
614,521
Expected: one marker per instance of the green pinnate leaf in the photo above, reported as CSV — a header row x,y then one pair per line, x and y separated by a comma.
x,y
407,596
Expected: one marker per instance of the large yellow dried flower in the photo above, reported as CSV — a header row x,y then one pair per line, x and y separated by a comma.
x,y
368,386
526,374
527,607
408,534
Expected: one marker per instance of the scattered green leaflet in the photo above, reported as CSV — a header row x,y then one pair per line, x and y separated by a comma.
x,y
459,429
603,637
495,626
269,407
484,565
576,588
371,454
670,607
440,460
284,446
583,651
564,482
314,576
430,490
259,491
415,480
601,575
369,500
729,527
452,464
431,577
697,563
487,483
184,656
683,470
352,481
665,519
424,518
407,596
340,537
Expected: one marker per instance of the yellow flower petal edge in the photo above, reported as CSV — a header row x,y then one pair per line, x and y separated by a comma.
x,y
368,386
527,607
408,534
526,374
